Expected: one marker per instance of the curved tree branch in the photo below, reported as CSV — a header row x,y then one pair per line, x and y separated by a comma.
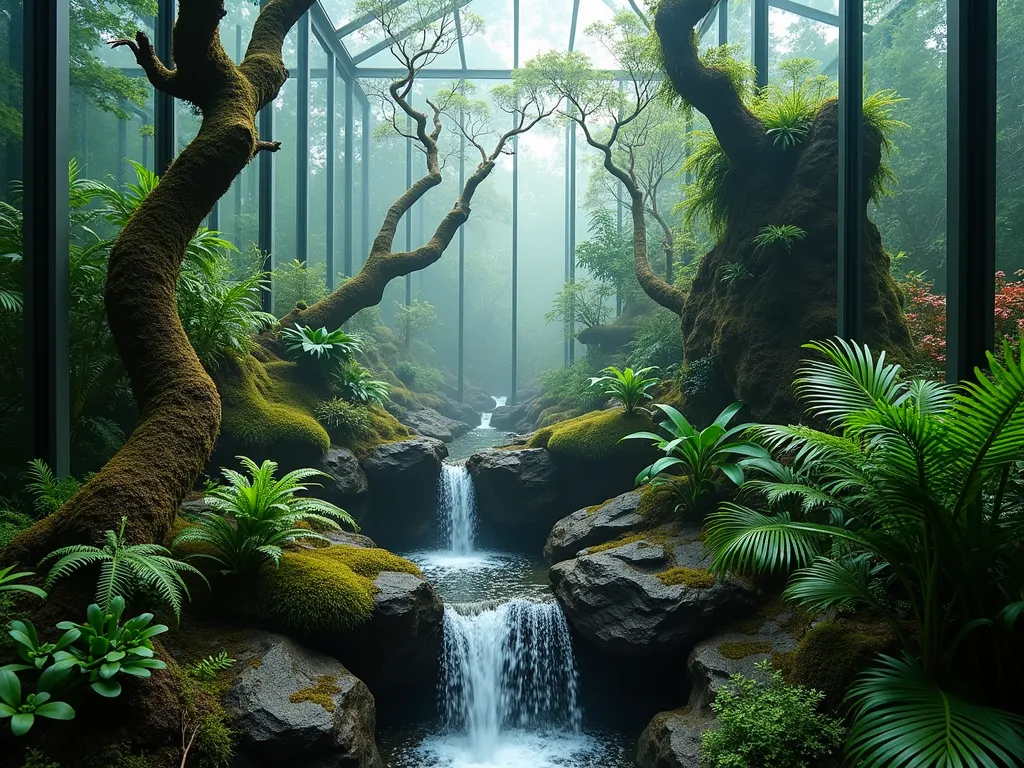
x,y
179,408
708,90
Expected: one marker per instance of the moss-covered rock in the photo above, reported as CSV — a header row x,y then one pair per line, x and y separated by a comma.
x,y
694,578
594,436
833,653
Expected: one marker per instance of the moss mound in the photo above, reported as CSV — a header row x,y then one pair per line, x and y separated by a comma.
x,y
594,436
323,592
268,408
832,653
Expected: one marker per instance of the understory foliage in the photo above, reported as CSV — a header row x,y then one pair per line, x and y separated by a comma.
x,y
658,341
630,388
694,459
571,385
911,508
787,112
581,304
44,494
765,722
255,514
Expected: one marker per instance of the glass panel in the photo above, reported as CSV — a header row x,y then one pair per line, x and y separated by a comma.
x,y
741,27
907,52
341,193
1010,175
792,36
592,12
285,164
317,255
341,12
362,227
541,30
492,47
14,447
236,28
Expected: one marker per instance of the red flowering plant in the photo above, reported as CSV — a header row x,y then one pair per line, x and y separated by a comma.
x,y
926,314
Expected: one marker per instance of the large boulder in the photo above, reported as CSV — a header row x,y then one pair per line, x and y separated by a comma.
x,y
430,423
647,595
590,526
463,412
347,484
508,417
403,490
672,740
293,706
517,492
401,643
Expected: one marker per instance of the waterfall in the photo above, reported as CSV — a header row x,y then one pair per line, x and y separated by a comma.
x,y
485,421
456,505
499,401
507,666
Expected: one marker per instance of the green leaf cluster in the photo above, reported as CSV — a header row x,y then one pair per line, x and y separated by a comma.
x,y
630,388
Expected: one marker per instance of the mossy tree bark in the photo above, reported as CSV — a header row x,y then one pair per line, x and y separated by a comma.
x,y
745,335
179,408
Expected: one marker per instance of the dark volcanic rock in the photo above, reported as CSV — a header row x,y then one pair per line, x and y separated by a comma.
x,y
672,740
293,706
507,417
401,643
463,412
347,484
403,490
430,423
617,601
517,491
588,527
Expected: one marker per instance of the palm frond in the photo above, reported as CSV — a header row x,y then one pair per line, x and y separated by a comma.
x,y
847,381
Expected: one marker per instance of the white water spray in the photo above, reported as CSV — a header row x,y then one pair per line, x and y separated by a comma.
x,y
507,667
456,506
485,421
499,401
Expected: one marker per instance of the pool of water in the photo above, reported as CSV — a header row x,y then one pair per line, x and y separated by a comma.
x,y
483,575
422,746
474,441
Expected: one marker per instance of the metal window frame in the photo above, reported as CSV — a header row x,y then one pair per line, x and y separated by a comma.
x,y
850,294
302,30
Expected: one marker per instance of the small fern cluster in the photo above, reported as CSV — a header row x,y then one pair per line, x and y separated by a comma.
x,y
778,234
207,669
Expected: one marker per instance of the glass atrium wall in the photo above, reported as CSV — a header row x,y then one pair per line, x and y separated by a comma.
x,y
321,198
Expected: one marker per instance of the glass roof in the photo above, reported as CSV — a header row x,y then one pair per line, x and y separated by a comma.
x,y
544,25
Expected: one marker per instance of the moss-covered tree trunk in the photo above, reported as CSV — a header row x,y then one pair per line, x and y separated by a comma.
x,y
179,408
742,337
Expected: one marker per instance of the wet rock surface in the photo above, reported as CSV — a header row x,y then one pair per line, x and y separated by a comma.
x,y
593,525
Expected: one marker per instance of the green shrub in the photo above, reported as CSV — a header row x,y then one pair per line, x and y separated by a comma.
x,y
11,524
297,282
356,384
304,344
769,724
343,419
627,386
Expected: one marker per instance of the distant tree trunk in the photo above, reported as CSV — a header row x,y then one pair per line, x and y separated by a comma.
x,y
742,338
178,404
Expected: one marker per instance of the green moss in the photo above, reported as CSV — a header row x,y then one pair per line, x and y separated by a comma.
x,y
658,503
428,400
322,692
269,406
323,592
740,650
594,436
213,741
694,578
113,757
832,653
384,428
602,505
36,759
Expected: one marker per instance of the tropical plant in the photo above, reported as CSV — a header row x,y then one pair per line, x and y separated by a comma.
x,y
629,387
765,722
304,343
95,652
11,582
695,458
911,511
48,493
221,316
125,569
735,272
778,234
106,648
254,516
356,384
206,669
23,709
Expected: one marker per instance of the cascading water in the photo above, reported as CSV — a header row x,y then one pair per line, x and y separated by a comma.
x,y
485,421
456,505
499,401
506,666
